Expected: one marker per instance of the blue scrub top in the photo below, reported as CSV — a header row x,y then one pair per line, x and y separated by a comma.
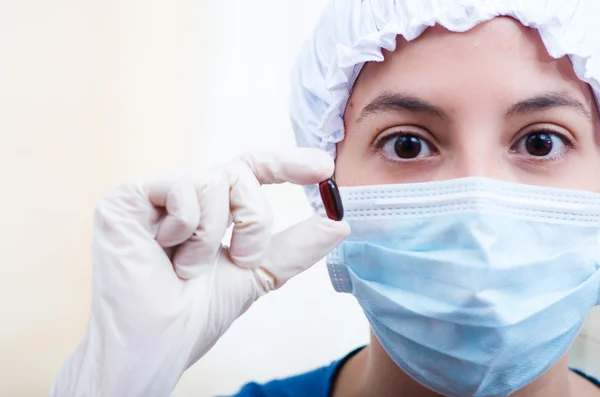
x,y
317,383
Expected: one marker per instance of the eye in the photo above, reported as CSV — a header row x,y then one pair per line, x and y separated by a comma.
x,y
541,144
405,147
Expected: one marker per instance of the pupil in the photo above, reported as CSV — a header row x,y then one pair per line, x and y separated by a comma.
x,y
539,144
407,146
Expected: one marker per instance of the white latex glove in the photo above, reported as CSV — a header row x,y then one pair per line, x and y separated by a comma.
x,y
164,287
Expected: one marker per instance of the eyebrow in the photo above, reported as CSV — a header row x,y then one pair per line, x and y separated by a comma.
x,y
387,101
398,101
548,101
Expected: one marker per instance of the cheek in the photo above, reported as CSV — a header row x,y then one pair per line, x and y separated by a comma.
x,y
349,164
356,164
584,172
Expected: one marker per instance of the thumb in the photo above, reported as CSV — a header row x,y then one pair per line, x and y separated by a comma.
x,y
299,247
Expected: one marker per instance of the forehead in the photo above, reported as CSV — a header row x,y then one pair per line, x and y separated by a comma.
x,y
500,57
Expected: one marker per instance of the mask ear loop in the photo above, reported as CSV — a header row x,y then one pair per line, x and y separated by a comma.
x,y
332,200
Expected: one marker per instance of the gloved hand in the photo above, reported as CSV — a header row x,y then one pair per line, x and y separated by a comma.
x,y
165,289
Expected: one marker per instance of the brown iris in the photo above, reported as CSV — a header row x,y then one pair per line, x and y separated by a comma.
x,y
539,144
407,146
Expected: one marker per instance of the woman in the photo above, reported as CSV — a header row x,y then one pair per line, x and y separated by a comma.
x,y
469,156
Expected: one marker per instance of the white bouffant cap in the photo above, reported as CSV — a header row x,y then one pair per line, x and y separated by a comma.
x,y
352,32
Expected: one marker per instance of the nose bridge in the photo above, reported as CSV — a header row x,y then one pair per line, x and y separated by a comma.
x,y
478,153
471,162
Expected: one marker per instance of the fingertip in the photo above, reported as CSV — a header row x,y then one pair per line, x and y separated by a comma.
x,y
299,165
307,166
183,213
183,265
174,230
339,228
185,272
322,164
345,228
299,247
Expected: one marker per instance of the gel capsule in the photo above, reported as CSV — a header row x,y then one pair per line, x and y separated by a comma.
x,y
331,199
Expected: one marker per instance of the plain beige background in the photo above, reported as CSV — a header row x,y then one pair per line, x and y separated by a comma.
x,y
96,93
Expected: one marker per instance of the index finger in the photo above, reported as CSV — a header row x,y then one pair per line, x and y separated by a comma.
x,y
301,166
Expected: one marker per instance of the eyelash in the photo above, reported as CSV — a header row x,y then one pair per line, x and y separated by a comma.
x,y
381,141
569,143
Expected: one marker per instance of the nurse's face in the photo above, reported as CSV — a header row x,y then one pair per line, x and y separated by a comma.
x,y
489,103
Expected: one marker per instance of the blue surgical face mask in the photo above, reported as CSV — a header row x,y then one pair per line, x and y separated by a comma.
x,y
474,287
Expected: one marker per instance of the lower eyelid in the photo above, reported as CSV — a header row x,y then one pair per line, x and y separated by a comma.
x,y
418,161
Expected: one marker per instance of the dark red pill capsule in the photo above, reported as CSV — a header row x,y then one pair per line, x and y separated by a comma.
x,y
331,199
